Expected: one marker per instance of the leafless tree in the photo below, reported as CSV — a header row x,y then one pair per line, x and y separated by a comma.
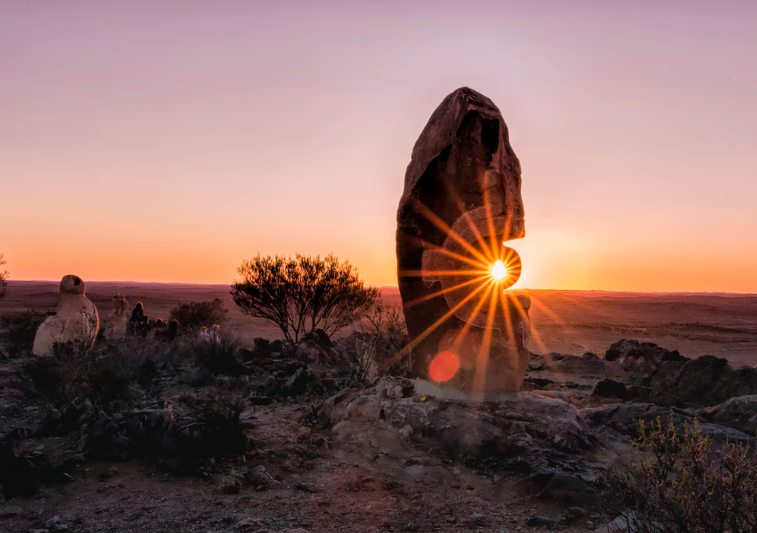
x,y
303,293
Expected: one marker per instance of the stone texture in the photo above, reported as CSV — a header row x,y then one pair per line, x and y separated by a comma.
x,y
522,433
119,317
640,357
76,319
463,177
738,413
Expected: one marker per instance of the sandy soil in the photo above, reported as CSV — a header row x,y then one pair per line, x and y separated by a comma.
x,y
570,322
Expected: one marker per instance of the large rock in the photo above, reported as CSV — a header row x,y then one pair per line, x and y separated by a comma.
x,y
738,413
624,419
640,357
76,319
461,201
523,433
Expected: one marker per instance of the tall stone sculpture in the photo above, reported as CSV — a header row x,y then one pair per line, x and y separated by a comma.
x,y
460,203
76,319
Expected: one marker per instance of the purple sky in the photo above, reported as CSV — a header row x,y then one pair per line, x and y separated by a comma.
x,y
170,140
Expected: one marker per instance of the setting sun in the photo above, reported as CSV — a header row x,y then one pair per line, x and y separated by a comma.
x,y
499,270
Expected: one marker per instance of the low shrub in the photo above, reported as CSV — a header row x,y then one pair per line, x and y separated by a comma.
x,y
219,355
217,430
74,373
688,486
192,316
17,331
377,345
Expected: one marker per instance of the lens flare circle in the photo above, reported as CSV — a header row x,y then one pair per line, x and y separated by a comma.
x,y
444,366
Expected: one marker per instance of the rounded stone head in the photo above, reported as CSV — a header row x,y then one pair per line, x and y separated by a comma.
x,y
72,285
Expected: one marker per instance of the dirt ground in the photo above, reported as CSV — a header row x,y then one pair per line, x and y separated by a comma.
x,y
321,487
570,322
328,486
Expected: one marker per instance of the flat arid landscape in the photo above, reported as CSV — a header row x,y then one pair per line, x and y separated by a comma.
x,y
569,322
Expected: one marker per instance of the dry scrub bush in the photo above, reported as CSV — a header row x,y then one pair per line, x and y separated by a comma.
x,y
17,331
377,344
219,356
192,316
303,293
216,428
3,279
686,487
74,372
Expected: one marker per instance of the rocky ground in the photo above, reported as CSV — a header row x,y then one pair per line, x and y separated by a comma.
x,y
318,455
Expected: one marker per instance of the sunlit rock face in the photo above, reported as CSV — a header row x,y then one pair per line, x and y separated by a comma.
x,y
461,201
76,319
119,318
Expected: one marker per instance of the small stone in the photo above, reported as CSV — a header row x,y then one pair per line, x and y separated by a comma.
x,y
540,521
56,525
305,487
406,431
232,483
259,478
574,513
249,524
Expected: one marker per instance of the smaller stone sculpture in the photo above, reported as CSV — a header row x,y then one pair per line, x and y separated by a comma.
x,y
118,318
76,320
138,323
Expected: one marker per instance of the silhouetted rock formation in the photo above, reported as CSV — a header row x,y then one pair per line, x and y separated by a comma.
x,y
463,179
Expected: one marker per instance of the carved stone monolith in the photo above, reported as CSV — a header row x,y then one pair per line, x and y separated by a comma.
x,y
460,203
76,320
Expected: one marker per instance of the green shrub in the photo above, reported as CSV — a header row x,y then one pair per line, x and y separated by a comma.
x,y
688,486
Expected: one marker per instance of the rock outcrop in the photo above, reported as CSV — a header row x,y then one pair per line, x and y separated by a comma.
x,y
738,413
76,319
461,201
640,357
522,433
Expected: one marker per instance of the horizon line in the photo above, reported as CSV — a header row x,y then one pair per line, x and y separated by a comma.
x,y
692,292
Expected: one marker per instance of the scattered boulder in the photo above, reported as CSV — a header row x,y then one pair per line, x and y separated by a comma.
x,y
609,388
259,478
574,514
76,320
738,413
640,357
566,488
56,525
705,381
624,419
231,483
544,521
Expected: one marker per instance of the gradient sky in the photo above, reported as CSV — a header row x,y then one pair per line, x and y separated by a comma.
x,y
170,140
